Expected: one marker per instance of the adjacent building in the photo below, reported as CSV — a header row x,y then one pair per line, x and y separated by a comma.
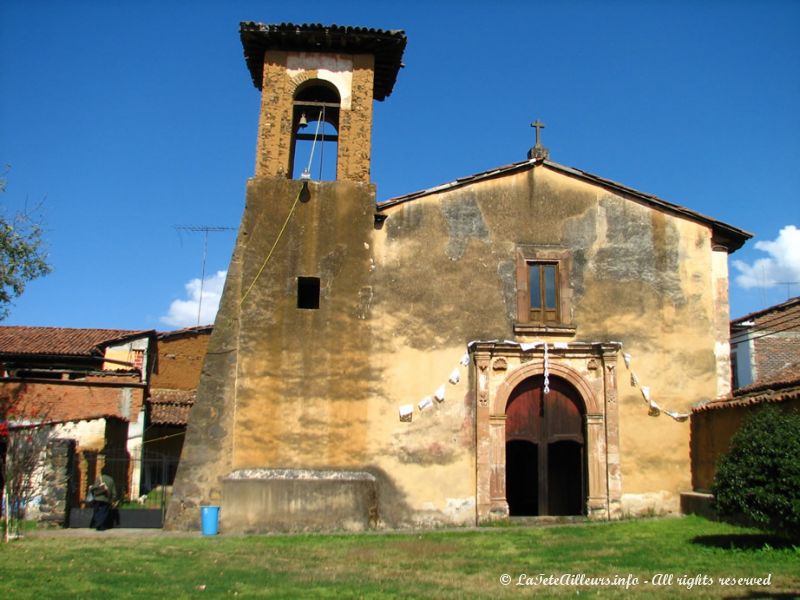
x,y
765,342
88,387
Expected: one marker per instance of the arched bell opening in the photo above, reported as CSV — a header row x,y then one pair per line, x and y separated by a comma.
x,y
315,131
545,449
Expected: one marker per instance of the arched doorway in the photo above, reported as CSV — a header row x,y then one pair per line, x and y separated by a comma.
x,y
545,465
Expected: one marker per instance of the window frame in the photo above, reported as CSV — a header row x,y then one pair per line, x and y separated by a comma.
x,y
532,320
544,313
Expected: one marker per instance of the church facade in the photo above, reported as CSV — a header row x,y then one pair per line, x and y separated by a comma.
x,y
525,341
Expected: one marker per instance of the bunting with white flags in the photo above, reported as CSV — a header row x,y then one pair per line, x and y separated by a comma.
x,y
653,409
439,395
406,410
455,376
546,371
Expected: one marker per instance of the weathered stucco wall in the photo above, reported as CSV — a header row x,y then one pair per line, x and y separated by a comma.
x,y
445,268
291,388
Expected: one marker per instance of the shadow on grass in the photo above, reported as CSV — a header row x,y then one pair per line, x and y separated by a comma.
x,y
756,594
743,541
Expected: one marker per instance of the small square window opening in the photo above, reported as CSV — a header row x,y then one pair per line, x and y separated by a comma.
x,y
308,292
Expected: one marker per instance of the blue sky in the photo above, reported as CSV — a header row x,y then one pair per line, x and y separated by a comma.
x,y
129,118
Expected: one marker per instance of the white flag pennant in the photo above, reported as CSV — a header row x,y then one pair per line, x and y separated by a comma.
x,y
680,417
465,359
425,403
627,358
546,371
528,346
634,380
406,412
455,376
439,395
645,393
654,410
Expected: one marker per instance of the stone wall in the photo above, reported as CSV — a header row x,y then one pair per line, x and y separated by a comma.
x,y
54,502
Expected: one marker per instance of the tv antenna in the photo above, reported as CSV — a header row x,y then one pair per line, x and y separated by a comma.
x,y
205,230
788,285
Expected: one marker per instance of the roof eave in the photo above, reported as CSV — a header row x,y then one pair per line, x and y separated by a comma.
x,y
730,237
387,46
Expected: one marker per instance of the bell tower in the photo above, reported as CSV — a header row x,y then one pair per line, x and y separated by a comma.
x,y
278,398
317,85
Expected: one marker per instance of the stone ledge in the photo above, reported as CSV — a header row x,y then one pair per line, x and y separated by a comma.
x,y
698,503
267,500
301,474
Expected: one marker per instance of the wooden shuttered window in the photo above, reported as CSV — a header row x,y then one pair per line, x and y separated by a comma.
x,y
540,287
543,291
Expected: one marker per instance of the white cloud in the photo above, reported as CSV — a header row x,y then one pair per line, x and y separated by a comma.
x,y
782,265
183,313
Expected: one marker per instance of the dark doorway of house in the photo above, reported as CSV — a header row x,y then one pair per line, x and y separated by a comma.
x,y
545,467
522,481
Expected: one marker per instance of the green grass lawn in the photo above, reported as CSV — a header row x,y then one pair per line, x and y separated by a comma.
x,y
436,564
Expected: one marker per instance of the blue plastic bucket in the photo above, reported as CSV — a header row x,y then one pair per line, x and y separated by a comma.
x,y
209,516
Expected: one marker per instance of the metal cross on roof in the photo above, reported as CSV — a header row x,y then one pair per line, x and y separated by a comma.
x,y
537,125
538,151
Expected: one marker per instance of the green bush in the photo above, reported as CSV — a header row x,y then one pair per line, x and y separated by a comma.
x,y
760,476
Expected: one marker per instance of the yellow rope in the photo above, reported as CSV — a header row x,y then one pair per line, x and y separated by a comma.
x,y
166,437
271,250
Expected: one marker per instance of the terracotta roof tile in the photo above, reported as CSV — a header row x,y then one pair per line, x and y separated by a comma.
x,y
386,46
186,331
785,386
170,407
786,377
60,341
765,311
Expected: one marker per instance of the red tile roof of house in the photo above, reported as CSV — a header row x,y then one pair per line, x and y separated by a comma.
x,y
170,407
765,311
186,331
787,377
784,385
61,341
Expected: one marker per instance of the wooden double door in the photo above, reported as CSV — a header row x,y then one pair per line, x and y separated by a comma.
x,y
545,465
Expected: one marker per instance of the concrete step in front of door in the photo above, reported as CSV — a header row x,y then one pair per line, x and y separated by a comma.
x,y
548,520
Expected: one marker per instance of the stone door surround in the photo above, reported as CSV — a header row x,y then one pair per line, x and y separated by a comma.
x,y
591,369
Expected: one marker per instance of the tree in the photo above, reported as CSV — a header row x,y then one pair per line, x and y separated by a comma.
x,y
22,254
24,435
760,476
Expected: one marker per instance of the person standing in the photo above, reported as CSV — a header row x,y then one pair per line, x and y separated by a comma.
x,y
105,497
